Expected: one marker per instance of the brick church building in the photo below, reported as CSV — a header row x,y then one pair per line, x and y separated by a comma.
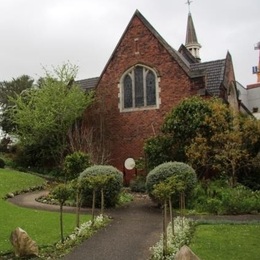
x,y
141,82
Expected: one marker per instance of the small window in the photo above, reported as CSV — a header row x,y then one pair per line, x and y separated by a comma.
x,y
139,89
255,109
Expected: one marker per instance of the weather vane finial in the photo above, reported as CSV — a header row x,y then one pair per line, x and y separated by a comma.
x,y
189,3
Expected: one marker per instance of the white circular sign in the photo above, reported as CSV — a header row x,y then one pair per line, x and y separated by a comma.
x,y
129,163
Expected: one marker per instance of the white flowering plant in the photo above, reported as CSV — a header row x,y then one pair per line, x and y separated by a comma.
x,y
183,231
83,232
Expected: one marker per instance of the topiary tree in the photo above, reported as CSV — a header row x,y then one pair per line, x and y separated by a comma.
x,y
61,193
74,164
162,192
77,188
112,187
183,174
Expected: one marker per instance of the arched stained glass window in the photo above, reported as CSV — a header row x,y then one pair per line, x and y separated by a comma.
x,y
139,88
128,95
150,89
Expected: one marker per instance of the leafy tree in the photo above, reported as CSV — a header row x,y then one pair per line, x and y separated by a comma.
x,y
186,121
227,151
159,149
231,155
250,127
207,134
44,116
13,88
61,193
8,91
250,175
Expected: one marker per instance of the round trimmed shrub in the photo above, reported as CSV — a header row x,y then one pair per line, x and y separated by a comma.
x,y
111,190
181,171
2,163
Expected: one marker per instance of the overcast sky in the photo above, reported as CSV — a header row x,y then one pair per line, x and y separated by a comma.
x,y
46,33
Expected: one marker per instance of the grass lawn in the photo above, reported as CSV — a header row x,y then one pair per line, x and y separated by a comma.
x,y
42,226
227,241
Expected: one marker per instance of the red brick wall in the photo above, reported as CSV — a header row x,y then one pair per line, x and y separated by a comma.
x,y
125,132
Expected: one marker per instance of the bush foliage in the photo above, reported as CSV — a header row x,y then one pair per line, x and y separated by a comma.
x,y
209,136
138,184
74,164
2,163
181,171
218,198
111,190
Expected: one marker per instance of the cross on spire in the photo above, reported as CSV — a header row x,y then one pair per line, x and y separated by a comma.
x,y
189,3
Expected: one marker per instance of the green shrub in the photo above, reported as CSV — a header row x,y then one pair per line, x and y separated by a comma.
x,y
111,191
240,200
74,164
2,163
250,176
138,184
218,198
213,205
181,171
8,159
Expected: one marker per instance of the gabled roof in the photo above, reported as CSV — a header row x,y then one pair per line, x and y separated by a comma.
x,y
87,84
182,62
214,71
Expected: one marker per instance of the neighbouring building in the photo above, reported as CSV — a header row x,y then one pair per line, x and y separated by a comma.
x,y
142,81
250,97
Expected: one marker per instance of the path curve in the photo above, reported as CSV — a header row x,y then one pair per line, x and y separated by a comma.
x,y
135,228
28,200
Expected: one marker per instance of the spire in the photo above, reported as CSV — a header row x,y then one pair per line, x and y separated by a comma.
x,y
191,38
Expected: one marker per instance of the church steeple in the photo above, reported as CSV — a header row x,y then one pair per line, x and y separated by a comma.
x,y
191,38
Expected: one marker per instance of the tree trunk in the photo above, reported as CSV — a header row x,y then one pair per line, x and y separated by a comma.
x,y
93,206
77,209
182,206
171,215
102,202
165,228
61,223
